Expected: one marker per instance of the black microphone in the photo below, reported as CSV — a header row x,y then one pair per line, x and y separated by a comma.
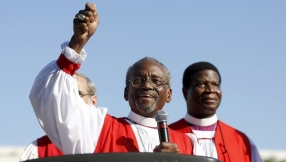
x,y
161,119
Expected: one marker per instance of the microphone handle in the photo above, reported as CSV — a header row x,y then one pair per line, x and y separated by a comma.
x,y
163,132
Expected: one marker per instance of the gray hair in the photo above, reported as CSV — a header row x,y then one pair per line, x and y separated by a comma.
x,y
90,85
166,70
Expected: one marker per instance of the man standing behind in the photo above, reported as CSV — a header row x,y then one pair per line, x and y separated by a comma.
x,y
43,147
212,137
77,128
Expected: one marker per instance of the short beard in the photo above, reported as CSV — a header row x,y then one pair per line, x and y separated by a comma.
x,y
146,109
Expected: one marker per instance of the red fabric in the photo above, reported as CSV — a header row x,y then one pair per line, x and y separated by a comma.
x,y
46,148
117,136
231,144
66,65
183,142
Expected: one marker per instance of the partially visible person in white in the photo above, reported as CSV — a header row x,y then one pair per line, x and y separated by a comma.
x,y
87,92
75,127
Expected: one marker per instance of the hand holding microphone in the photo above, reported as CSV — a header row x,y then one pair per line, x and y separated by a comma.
x,y
165,144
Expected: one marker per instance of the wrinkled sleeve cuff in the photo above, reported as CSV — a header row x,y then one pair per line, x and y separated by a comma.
x,y
69,61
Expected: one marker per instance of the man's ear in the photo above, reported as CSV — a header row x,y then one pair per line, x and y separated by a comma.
x,y
185,92
126,93
94,100
169,95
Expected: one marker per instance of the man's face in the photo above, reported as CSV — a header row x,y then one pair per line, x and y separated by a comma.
x,y
204,94
83,88
146,99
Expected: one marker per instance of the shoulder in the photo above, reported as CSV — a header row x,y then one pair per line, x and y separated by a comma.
x,y
43,140
178,124
115,121
100,111
45,137
227,128
177,133
30,152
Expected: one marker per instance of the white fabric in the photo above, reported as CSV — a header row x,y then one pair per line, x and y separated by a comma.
x,y
201,122
202,148
147,138
150,122
31,152
71,55
71,124
208,145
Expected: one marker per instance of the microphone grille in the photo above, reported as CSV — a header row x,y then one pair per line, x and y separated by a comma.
x,y
161,116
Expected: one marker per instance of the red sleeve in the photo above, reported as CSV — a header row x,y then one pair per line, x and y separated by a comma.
x,y
66,65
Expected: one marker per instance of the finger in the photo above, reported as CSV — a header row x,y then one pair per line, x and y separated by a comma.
x,y
88,14
168,145
84,28
90,7
97,20
76,21
81,28
87,21
156,149
170,150
95,15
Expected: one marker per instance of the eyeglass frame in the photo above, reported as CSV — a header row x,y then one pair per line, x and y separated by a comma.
x,y
149,80
81,94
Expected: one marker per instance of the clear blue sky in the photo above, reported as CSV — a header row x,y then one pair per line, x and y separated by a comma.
x,y
246,40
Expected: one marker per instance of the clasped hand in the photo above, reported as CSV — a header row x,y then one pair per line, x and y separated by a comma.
x,y
84,28
167,147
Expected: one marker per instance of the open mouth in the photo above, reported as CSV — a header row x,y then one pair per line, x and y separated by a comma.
x,y
145,97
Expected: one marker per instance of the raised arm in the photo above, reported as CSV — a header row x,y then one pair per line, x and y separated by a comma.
x,y
84,29
71,124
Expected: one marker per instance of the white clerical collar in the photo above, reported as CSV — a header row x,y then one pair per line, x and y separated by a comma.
x,y
201,122
150,122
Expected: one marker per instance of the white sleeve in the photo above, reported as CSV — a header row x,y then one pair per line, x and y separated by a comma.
x,y
31,152
71,124
255,157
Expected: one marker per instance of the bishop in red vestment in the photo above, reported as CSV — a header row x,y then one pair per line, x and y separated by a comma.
x,y
211,137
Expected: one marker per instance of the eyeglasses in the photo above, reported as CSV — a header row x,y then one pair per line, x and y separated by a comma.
x,y
81,94
155,82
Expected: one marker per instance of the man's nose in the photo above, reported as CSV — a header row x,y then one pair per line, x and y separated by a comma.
x,y
147,84
210,88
